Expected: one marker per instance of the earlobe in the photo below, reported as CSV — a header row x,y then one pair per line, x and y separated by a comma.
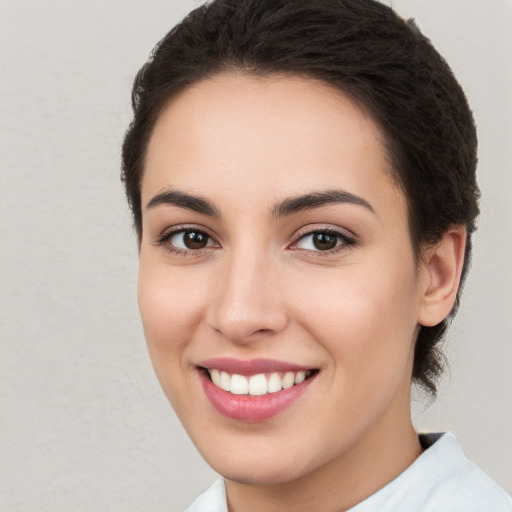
x,y
442,268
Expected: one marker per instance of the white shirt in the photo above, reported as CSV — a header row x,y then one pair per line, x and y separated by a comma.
x,y
441,479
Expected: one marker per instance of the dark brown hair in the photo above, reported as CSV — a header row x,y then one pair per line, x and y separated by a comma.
x,y
365,50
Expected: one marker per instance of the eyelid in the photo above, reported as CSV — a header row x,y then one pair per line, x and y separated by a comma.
x,y
348,239
168,233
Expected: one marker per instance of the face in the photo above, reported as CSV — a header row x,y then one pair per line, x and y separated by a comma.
x,y
278,287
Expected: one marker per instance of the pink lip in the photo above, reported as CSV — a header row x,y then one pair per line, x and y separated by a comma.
x,y
251,408
250,367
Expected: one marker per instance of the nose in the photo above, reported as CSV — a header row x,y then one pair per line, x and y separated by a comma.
x,y
247,303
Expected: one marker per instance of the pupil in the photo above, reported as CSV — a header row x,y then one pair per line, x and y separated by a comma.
x,y
195,240
324,241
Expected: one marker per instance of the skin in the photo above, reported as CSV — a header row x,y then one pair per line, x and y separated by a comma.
x,y
259,290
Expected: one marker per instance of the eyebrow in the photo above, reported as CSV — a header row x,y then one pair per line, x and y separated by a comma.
x,y
183,200
313,200
284,208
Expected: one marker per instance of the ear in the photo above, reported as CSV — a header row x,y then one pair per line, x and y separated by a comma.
x,y
440,276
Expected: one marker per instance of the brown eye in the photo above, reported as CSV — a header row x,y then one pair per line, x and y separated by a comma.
x,y
190,239
325,241
195,239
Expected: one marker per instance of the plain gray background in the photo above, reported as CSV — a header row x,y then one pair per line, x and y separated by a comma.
x,y
83,423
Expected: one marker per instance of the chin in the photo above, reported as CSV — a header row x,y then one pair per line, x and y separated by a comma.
x,y
263,465
257,474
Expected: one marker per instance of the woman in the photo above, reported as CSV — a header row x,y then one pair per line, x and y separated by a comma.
x,y
302,180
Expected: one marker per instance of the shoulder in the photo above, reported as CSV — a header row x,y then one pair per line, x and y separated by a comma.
x,y
464,486
442,479
211,500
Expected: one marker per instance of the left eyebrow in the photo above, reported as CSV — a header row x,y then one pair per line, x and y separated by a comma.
x,y
296,204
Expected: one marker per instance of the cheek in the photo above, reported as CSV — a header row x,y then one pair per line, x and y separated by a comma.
x,y
365,320
170,308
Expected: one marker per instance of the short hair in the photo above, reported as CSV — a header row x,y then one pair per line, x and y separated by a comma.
x,y
363,49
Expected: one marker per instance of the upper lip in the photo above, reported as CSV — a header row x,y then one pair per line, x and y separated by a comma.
x,y
250,366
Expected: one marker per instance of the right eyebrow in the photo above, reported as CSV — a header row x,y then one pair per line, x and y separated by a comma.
x,y
183,200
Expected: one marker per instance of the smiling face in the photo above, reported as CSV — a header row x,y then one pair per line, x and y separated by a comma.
x,y
276,248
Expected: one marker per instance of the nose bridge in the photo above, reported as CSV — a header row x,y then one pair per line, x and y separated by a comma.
x,y
247,299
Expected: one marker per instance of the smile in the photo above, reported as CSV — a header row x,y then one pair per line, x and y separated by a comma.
x,y
253,390
256,385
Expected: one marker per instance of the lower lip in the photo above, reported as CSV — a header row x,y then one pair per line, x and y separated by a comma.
x,y
252,408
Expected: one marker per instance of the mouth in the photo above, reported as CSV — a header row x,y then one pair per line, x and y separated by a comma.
x,y
258,384
256,390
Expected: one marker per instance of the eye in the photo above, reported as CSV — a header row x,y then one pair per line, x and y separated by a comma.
x,y
323,241
186,240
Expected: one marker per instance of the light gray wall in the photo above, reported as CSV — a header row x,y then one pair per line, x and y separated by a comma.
x,y
83,423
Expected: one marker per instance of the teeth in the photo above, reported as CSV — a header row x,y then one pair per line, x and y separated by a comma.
x,y
215,375
288,380
239,385
256,385
300,377
225,381
274,383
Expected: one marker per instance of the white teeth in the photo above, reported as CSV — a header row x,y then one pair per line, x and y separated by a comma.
x,y
256,385
215,375
288,380
300,377
239,385
274,383
225,381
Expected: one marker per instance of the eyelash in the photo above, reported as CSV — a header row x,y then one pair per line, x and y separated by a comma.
x,y
165,238
346,242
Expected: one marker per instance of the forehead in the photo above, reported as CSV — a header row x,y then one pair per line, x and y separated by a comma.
x,y
276,135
